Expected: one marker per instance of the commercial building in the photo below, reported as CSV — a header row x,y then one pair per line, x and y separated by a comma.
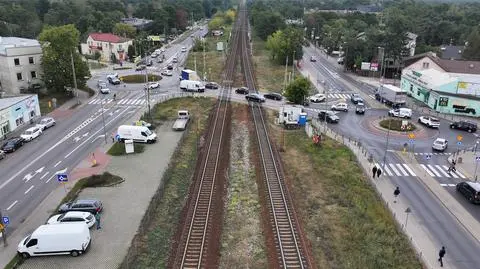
x,y
108,45
17,111
20,67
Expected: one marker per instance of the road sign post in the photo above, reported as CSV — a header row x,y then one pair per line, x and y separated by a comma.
x,y
63,178
477,159
408,211
2,229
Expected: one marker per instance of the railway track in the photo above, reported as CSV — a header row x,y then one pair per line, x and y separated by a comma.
x,y
289,244
199,238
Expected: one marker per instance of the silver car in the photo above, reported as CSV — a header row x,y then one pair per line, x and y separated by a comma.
x,y
440,144
46,123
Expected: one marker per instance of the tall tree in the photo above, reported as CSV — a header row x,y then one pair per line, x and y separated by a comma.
x,y
297,90
124,30
472,52
42,7
267,23
286,43
59,45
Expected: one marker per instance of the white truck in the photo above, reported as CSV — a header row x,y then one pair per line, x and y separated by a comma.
x,y
192,86
182,120
391,95
56,239
136,133
292,117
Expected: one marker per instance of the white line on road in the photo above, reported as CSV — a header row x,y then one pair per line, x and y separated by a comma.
x,y
50,178
57,163
12,205
44,175
29,189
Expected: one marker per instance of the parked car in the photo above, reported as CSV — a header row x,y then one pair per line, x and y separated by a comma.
x,y
360,108
464,126
31,133
160,60
149,63
440,144
101,83
312,59
154,55
114,80
317,98
329,116
400,113
152,85
140,67
273,96
46,123
471,191
105,90
13,144
175,60
211,85
340,107
167,73
356,98
140,134
184,49
73,216
2,154
429,121
255,97
242,90
93,206
170,66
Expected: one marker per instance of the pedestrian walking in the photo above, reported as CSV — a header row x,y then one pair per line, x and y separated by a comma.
x,y
374,171
379,172
97,219
396,192
441,254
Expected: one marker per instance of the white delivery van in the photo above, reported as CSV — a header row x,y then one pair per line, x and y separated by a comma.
x,y
192,86
56,239
136,133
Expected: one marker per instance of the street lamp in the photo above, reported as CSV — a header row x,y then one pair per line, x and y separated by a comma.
x,y
345,57
388,132
103,120
383,59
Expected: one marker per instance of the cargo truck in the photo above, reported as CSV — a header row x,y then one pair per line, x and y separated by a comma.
x,y
192,86
182,120
391,95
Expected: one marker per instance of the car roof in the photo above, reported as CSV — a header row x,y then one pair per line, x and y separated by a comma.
x,y
474,185
31,128
441,139
76,214
85,201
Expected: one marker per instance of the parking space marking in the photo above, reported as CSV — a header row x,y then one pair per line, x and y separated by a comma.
x,y
29,189
12,205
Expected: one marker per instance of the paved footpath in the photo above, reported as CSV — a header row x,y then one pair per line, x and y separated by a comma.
x,y
124,206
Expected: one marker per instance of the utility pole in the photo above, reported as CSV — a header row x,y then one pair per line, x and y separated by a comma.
x,y
293,66
286,72
388,134
103,121
147,95
195,62
204,62
74,78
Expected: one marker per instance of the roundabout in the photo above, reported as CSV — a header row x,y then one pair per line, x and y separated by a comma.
x,y
139,78
397,125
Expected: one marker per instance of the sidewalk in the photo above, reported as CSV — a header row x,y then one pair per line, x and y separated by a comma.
x,y
468,163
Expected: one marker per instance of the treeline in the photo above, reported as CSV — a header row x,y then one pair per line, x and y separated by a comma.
x,y
26,18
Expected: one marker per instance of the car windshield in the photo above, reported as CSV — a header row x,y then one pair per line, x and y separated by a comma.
x,y
27,239
434,120
61,217
44,121
90,217
148,132
28,132
439,142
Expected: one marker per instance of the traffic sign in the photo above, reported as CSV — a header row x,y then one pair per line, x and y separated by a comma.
x,y
477,158
62,177
411,135
459,143
117,137
412,141
428,156
6,220
459,137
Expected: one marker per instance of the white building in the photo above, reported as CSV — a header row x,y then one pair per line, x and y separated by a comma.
x,y
17,111
20,66
107,44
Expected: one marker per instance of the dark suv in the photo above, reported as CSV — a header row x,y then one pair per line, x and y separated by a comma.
x,y
273,96
242,90
329,116
355,98
92,206
471,191
13,144
464,125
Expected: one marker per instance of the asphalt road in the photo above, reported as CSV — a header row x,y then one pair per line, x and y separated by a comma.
x,y
430,212
28,175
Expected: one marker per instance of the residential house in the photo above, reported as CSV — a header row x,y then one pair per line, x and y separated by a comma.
x,y
20,67
107,44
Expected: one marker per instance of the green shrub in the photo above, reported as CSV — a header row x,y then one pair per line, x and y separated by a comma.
x,y
139,78
396,125
118,149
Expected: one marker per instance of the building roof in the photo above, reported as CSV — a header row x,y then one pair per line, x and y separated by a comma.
x,y
450,66
431,77
108,37
451,52
10,101
16,42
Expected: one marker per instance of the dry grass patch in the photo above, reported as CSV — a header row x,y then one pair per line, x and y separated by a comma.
x,y
345,221
270,76
242,239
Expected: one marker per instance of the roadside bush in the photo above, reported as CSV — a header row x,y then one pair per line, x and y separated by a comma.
x,y
118,149
139,78
396,125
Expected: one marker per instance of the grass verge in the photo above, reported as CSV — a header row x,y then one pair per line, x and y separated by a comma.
x,y
396,125
344,219
118,149
150,248
139,78
96,65
44,99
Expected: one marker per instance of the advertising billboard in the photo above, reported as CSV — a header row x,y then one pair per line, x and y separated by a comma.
x,y
365,66
468,88
374,67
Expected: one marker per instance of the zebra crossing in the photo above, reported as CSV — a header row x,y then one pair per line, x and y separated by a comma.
x,y
338,96
432,153
434,170
126,101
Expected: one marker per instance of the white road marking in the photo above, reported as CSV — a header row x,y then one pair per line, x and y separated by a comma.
x,y
27,177
29,189
409,170
400,167
392,165
44,175
426,169
12,205
76,139
433,170
442,171
57,163
122,101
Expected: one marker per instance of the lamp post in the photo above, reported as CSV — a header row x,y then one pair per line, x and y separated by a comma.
x,y
345,57
388,133
383,59
103,121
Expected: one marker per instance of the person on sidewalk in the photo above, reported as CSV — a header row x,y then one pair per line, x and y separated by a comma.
x,y
379,172
396,192
374,171
97,219
441,254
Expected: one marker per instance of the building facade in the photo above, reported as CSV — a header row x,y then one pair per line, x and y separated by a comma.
x,y
17,111
107,45
20,67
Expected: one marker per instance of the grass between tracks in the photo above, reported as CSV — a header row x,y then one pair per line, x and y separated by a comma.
x,y
152,248
344,219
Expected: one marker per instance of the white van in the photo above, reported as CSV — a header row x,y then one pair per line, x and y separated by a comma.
x,y
401,113
192,86
136,133
56,239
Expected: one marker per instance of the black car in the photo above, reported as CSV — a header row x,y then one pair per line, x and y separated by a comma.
x,y
170,67
242,90
255,97
464,125
329,116
211,85
150,63
360,108
92,206
355,98
471,191
273,96
13,144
